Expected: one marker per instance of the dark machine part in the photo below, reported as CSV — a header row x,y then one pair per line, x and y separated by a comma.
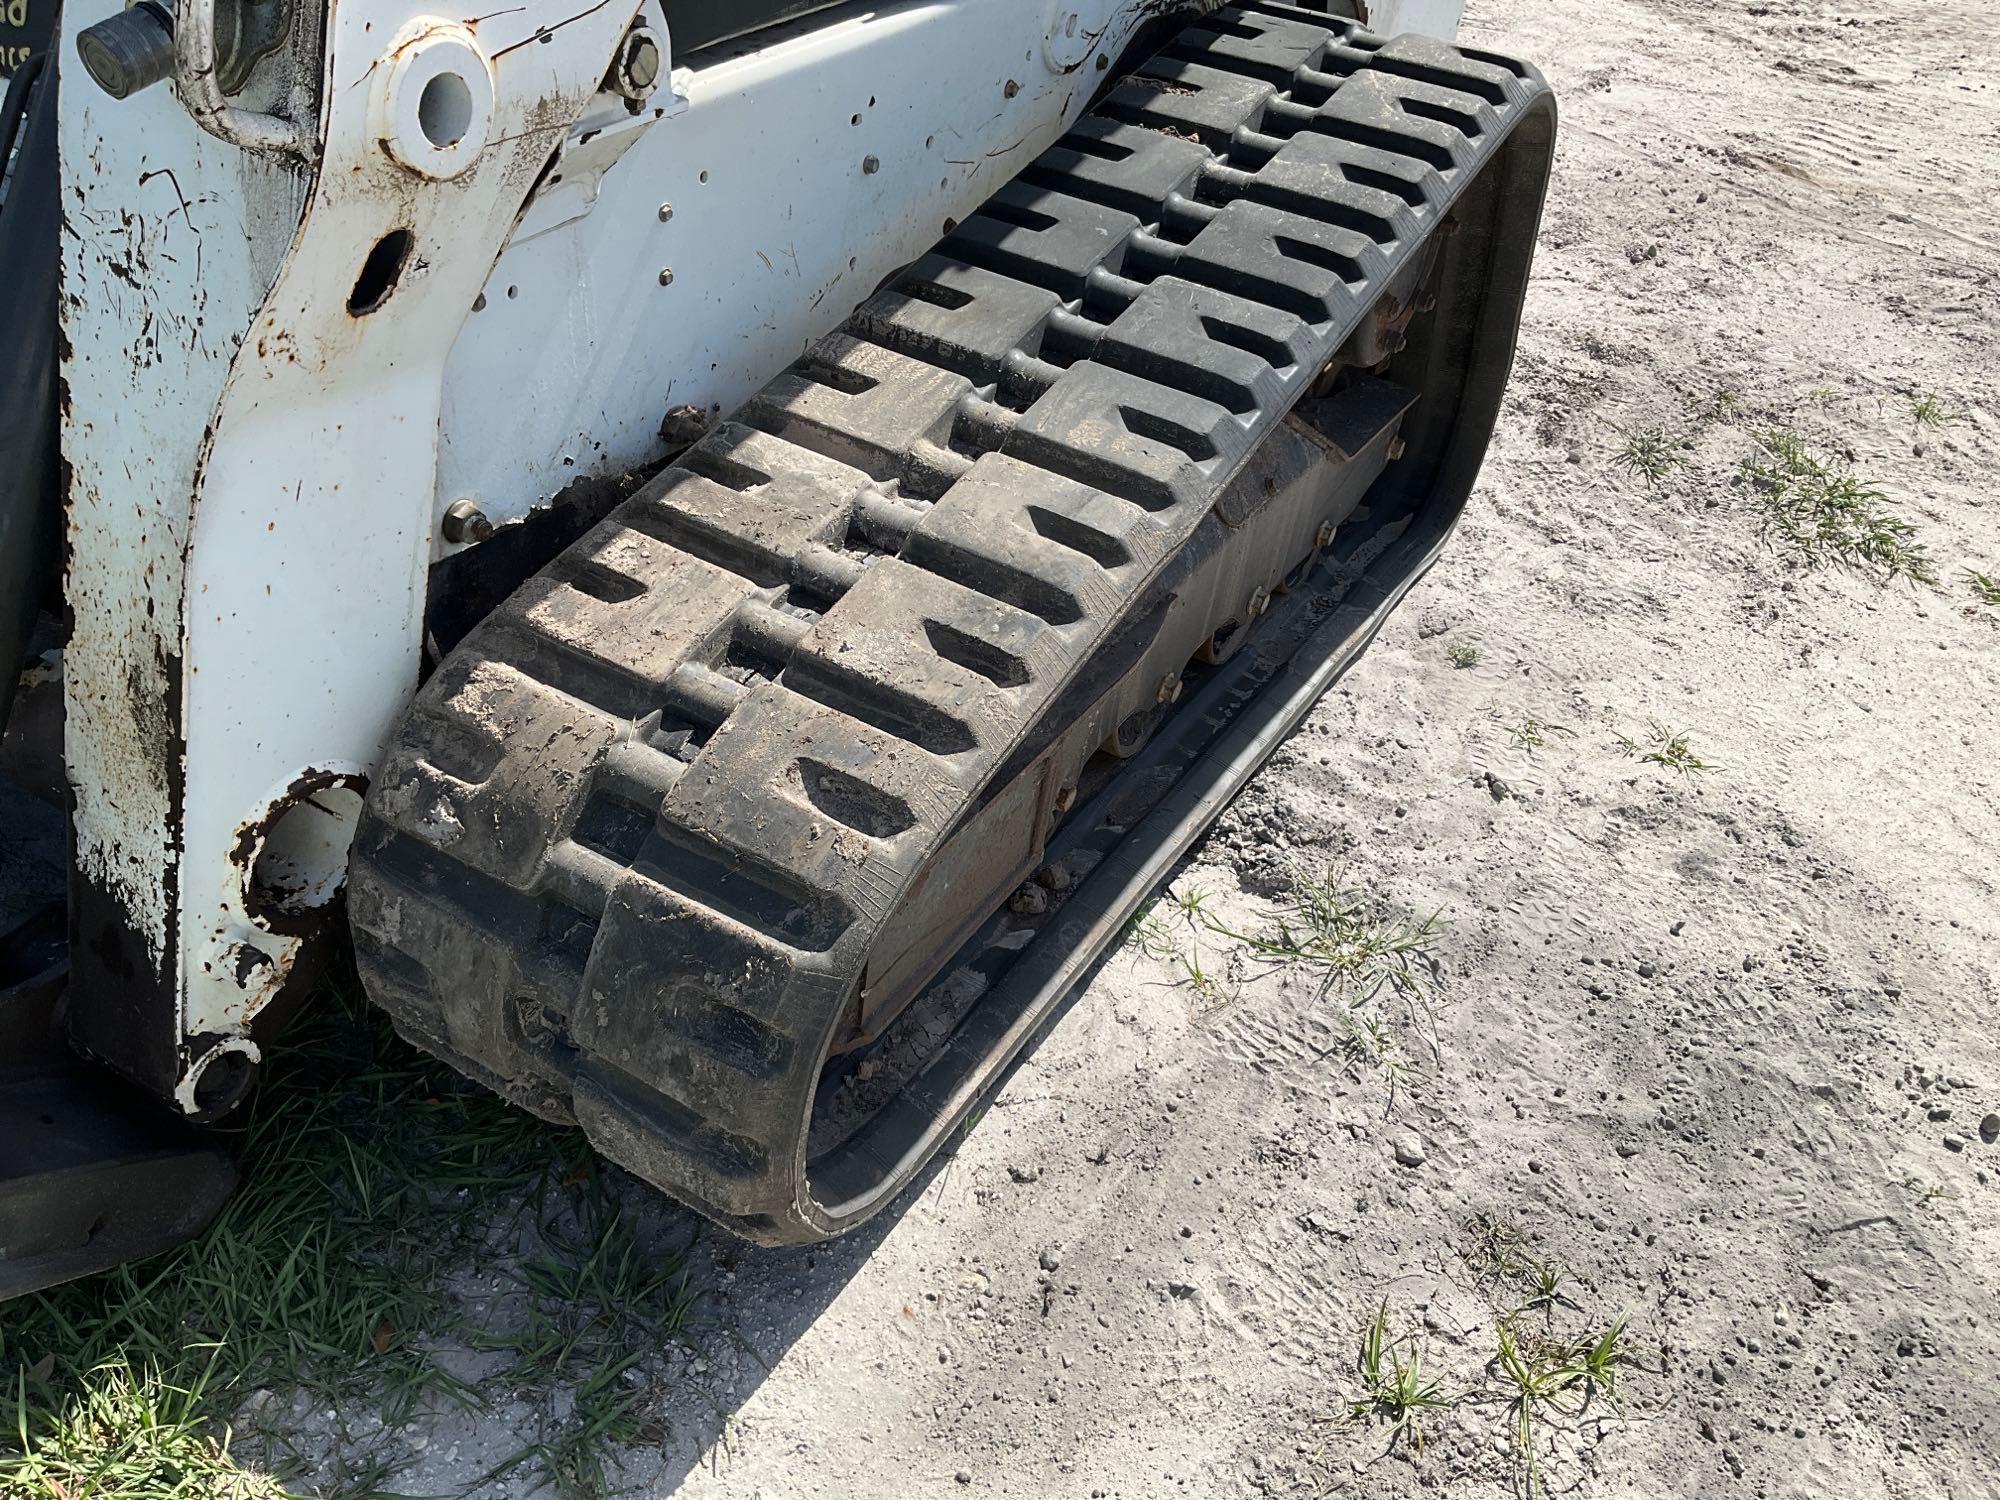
x,y
134,49
130,51
91,1172
702,840
30,264
25,29
701,23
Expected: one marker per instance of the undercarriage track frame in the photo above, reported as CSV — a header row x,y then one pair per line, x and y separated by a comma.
x,y
645,851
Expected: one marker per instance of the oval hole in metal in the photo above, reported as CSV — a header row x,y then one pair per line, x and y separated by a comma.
x,y
444,110
379,272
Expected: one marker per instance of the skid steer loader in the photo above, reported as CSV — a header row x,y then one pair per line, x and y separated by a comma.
x,y
727,546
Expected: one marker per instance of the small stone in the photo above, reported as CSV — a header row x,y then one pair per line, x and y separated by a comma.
x,y
1051,1259
1989,1129
1025,1173
1954,1143
1409,1151
1055,877
1647,971
963,1476
1628,1148
1029,901
1677,929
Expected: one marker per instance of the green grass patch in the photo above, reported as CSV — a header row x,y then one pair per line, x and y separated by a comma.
x,y
1358,957
1178,946
1665,747
1534,733
126,1432
368,1171
1394,1387
1543,1376
594,1308
1816,510
1931,410
1651,453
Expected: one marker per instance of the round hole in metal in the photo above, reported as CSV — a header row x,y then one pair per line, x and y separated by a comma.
x,y
444,110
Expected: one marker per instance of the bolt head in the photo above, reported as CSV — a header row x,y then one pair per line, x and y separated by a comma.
x,y
642,61
1170,689
870,165
666,275
666,213
464,521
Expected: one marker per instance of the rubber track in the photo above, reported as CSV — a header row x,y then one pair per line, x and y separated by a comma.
x,y
634,838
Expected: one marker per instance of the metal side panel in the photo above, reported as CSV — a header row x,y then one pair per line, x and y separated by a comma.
x,y
678,264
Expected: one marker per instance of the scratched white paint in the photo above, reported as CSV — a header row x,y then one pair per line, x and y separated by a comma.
x,y
312,534
1437,18
172,239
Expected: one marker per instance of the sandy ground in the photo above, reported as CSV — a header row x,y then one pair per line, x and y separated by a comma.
x,y
1718,1043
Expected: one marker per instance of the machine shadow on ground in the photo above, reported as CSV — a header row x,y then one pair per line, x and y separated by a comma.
x,y
421,1290
761,1302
